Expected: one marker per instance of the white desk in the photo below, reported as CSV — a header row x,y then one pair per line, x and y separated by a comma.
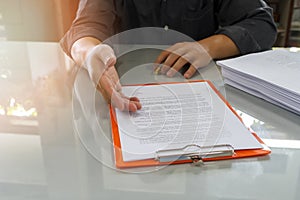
x,y
60,155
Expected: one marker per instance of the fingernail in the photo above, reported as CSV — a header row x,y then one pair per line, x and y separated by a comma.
x,y
187,75
139,106
157,70
163,70
169,74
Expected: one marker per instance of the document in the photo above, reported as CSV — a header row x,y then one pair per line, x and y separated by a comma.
x,y
271,75
176,115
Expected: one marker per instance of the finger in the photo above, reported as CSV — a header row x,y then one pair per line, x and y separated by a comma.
x,y
162,56
116,98
190,72
169,62
132,106
131,103
108,87
157,67
119,101
124,103
136,101
118,86
164,69
176,67
105,96
112,73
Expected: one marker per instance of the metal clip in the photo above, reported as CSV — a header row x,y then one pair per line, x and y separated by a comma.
x,y
195,153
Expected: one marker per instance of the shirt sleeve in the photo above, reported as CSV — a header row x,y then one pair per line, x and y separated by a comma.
x,y
94,18
249,23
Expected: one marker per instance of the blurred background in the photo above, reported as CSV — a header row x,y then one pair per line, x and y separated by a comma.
x,y
48,20
35,20
33,68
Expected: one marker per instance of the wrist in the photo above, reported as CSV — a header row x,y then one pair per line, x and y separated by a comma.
x,y
219,46
81,48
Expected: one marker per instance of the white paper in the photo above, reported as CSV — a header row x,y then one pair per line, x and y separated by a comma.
x,y
176,115
279,67
271,75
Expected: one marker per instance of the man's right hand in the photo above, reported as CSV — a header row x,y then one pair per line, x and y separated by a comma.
x,y
99,59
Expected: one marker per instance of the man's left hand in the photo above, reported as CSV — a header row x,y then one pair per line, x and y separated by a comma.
x,y
175,57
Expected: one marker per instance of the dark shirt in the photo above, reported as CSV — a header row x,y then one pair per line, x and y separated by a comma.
x,y
249,23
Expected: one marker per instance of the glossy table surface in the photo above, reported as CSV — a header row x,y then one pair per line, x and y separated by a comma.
x,y
55,137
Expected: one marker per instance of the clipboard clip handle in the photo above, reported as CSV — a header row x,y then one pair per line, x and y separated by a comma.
x,y
195,153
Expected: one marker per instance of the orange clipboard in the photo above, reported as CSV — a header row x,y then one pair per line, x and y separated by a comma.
x,y
120,163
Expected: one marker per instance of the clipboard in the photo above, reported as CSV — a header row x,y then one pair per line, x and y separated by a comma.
x,y
180,156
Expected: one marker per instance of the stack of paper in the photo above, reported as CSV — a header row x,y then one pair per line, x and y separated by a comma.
x,y
271,75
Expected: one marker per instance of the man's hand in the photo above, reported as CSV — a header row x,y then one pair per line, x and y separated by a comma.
x,y
175,57
197,54
100,63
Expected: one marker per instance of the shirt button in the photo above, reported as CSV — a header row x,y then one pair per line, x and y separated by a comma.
x,y
166,27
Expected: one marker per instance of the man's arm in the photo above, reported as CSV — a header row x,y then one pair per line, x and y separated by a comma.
x,y
246,26
94,19
99,60
81,47
198,54
219,46
248,23
94,23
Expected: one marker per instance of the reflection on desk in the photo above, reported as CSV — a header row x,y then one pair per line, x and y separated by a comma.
x,y
52,162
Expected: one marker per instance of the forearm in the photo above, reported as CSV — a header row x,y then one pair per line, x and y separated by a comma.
x,y
219,46
249,24
95,18
81,47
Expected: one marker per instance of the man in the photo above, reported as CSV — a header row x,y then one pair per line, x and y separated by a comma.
x,y
223,28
